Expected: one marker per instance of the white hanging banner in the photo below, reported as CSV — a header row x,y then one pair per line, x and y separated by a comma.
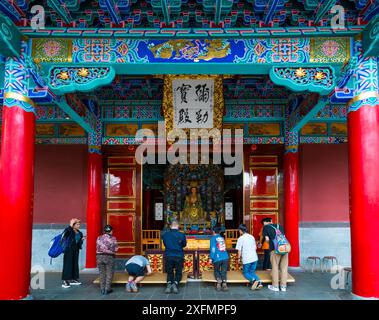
x,y
158,211
193,103
228,210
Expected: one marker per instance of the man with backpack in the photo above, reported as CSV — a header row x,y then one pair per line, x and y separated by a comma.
x,y
279,249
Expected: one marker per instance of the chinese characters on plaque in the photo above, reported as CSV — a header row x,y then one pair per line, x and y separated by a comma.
x,y
193,103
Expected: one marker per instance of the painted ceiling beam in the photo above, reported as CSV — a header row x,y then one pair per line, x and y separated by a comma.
x,y
112,9
61,9
11,9
218,7
323,7
165,11
238,82
271,9
193,33
149,88
370,10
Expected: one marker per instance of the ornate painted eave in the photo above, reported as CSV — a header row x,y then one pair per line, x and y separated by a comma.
x,y
193,33
10,38
320,79
70,79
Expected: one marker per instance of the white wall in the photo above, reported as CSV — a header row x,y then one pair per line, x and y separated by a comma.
x,y
325,241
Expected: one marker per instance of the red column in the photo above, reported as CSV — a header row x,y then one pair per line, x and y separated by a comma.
x,y
291,205
16,201
94,197
363,137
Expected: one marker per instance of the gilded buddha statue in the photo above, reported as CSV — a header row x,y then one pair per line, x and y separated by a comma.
x,y
193,212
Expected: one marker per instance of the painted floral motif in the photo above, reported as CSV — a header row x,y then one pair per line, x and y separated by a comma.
x,y
188,263
48,50
52,48
275,50
156,262
324,50
204,264
107,50
330,48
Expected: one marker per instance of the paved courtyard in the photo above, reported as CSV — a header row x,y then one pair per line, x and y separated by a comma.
x,y
308,286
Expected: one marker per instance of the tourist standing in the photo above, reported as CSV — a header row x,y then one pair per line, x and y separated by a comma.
x,y
247,249
279,262
74,239
265,246
136,267
174,242
220,258
106,248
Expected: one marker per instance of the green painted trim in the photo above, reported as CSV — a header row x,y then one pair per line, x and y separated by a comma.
x,y
226,102
194,33
288,83
319,106
73,87
73,115
10,38
370,38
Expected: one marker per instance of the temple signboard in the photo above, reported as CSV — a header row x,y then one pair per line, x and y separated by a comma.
x,y
193,103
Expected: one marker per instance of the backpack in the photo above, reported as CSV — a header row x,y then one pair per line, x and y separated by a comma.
x,y
57,246
281,244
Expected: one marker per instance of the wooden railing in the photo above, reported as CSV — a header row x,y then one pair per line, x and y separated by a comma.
x,y
231,237
151,240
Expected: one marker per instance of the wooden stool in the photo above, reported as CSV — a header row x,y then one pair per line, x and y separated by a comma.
x,y
347,272
314,259
325,261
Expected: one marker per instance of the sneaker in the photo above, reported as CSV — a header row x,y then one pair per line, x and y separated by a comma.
x,y
134,287
128,287
260,285
175,288
168,288
283,288
75,283
273,288
224,286
65,284
218,286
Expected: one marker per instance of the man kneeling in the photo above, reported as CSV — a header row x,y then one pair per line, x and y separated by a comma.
x,y
136,267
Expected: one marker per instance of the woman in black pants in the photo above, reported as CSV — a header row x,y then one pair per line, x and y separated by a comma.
x,y
73,237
